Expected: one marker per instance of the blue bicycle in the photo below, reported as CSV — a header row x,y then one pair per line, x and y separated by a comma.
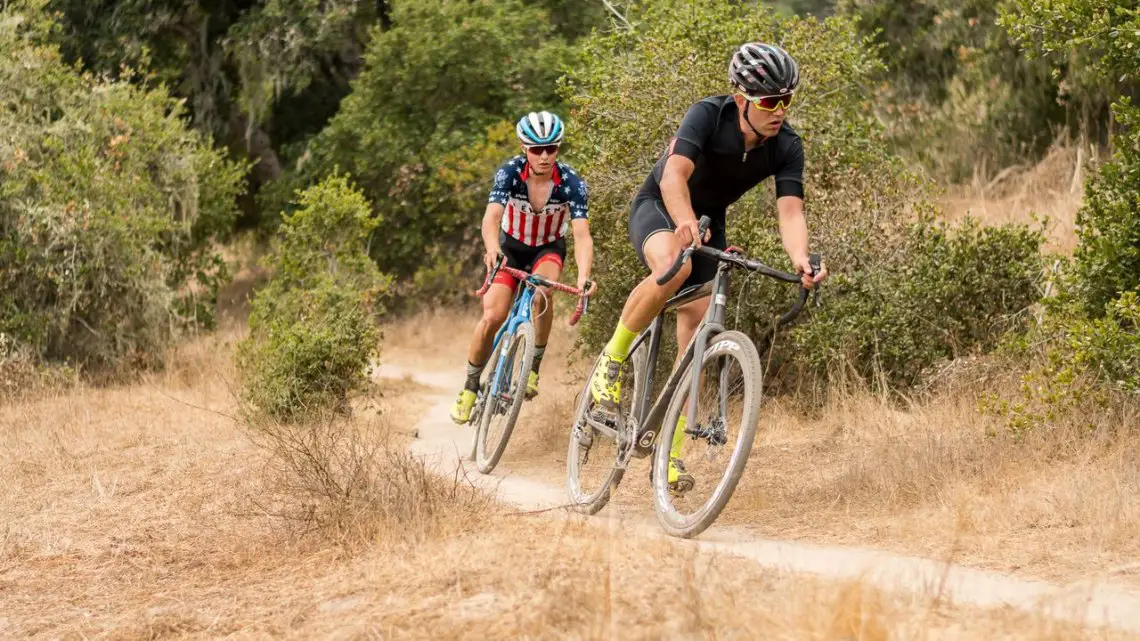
x,y
503,387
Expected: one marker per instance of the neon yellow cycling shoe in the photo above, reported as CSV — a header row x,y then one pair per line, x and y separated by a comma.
x,y
532,386
461,411
605,383
680,481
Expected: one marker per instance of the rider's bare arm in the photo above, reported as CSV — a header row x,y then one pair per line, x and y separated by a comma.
x,y
675,189
794,232
675,194
583,249
492,222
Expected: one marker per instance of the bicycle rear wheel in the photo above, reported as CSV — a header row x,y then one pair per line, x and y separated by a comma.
x,y
501,408
601,440
715,450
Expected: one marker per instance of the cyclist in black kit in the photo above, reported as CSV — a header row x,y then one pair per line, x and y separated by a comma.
x,y
725,146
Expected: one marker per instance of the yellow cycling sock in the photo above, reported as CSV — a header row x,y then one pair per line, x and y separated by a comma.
x,y
618,347
678,437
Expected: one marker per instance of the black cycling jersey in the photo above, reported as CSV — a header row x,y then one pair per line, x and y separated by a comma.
x,y
710,136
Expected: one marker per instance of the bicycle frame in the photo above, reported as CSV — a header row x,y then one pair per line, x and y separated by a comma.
x,y
647,423
520,313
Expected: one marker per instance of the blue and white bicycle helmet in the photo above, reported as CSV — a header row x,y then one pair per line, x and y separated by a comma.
x,y
541,128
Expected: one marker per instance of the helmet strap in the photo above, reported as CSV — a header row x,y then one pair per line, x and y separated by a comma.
x,y
758,134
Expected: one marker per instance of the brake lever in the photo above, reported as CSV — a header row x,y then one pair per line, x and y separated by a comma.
x,y
816,262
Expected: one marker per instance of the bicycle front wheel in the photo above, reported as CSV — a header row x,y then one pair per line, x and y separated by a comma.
x,y
696,467
505,391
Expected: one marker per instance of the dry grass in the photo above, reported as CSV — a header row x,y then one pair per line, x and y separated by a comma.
x,y
1046,191
1060,505
435,340
932,481
132,512
940,479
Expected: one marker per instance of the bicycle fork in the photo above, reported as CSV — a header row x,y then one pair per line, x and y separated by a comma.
x,y
711,325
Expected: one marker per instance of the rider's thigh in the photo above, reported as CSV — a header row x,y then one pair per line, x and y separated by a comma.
x,y
497,304
551,269
689,318
692,312
661,251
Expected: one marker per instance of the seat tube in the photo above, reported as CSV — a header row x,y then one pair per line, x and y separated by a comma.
x,y
712,324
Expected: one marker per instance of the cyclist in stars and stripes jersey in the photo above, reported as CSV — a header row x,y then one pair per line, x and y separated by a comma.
x,y
533,202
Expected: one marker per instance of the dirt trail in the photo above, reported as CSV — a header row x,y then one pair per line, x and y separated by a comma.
x,y
446,447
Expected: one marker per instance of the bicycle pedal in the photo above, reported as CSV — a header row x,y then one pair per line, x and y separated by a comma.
x,y
681,488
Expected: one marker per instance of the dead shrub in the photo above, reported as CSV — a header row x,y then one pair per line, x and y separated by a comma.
x,y
344,478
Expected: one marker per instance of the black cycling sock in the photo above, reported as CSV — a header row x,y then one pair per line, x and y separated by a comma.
x,y
539,352
473,372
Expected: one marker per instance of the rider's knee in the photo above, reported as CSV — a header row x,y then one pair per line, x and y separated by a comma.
x,y
689,316
664,258
541,304
494,315
679,278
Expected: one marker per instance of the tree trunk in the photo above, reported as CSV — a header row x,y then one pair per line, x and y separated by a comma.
x,y
259,147
384,12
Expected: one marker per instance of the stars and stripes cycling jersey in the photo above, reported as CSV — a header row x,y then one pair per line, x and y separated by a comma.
x,y
568,201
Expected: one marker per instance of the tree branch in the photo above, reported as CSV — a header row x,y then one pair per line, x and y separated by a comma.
x,y
617,14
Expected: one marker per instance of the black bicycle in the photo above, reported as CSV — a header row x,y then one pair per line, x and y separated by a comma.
x,y
714,438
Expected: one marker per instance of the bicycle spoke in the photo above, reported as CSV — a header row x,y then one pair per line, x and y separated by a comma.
x,y
505,396
712,452
600,440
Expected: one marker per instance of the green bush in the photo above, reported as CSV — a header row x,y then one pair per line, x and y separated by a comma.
x,y
1110,345
950,293
1102,39
432,85
1108,223
313,327
110,210
1085,353
958,94
1073,368
886,306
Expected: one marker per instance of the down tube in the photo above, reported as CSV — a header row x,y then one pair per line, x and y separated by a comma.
x,y
519,314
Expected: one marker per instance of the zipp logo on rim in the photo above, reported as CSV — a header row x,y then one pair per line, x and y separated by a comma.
x,y
730,345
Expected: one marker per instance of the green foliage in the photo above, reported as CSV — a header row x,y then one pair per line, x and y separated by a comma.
x,y
432,85
216,53
859,200
1108,223
1078,366
313,328
1107,32
951,292
1110,346
959,96
284,46
1087,347
110,210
